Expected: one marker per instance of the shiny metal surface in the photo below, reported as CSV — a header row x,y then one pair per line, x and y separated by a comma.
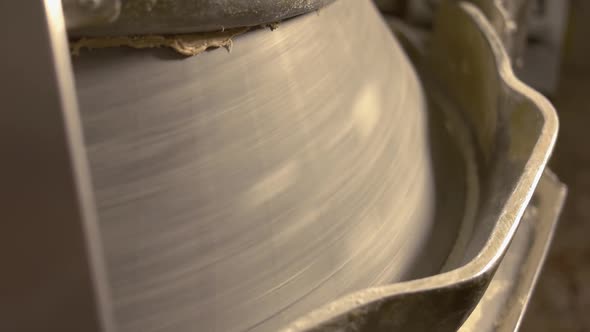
x,y
515,130
504,303
52,276
238,191
138,17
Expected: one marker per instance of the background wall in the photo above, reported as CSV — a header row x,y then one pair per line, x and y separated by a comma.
x,y
561,301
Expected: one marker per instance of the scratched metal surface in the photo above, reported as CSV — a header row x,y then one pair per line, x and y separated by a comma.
x,y
238,191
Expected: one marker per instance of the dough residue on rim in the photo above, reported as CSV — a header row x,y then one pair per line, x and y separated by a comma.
x,y
185,44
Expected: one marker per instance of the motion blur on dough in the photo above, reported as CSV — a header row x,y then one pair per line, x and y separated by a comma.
x,y
236,165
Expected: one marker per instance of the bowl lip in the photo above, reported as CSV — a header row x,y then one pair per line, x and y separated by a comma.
x,y
481,268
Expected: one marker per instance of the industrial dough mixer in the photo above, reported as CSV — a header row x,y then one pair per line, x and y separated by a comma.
x,y
316,176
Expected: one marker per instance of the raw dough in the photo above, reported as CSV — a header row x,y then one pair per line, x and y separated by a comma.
x,y
185,44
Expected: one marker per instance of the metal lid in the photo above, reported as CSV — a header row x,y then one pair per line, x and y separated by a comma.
x,y
135,17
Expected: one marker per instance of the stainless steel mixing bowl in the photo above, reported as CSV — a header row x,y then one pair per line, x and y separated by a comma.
x,y
238,190
312,179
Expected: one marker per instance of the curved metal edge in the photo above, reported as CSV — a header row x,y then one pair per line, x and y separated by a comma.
x,y
446,299
504,303
551,195
147,17
507,18
549,200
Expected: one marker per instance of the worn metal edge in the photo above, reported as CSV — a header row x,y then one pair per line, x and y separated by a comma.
x,y
504,303
481,268
551,194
